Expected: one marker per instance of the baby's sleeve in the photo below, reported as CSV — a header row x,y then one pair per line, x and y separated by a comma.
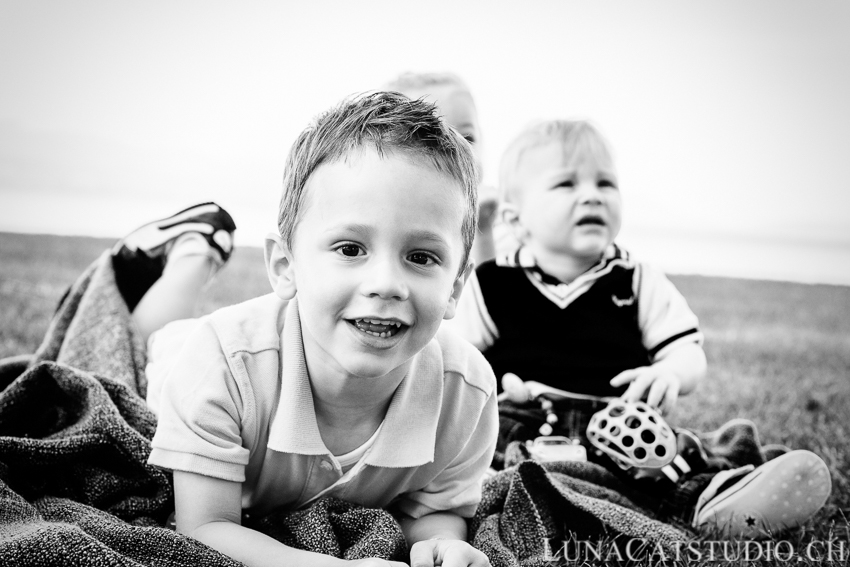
x,y
200,413
666,321
472,321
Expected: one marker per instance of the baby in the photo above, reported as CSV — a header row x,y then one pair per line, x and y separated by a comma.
x,y
570,310
341,383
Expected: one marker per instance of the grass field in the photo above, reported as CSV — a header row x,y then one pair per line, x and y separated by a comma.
x,y
779,353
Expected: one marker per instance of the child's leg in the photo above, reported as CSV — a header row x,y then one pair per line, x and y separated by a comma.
x,y
162,267
176,293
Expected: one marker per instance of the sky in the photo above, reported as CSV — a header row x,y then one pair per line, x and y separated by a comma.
x,y
729,120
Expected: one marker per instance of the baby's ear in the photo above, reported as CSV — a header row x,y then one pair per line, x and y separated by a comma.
x,y
509,214
457,289
279,266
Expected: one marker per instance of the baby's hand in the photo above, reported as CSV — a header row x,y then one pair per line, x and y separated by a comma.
x,y
446,552
514,389
663,386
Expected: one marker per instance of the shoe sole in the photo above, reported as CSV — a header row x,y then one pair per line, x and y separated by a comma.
x,y
781,494
203,218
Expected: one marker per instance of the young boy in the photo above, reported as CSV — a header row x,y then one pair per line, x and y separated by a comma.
x,y
573,311
340,382
454,100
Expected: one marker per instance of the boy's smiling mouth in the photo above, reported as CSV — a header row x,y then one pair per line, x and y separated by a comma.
x,y
382,328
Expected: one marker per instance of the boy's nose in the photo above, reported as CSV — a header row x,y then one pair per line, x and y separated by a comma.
x,y
385,280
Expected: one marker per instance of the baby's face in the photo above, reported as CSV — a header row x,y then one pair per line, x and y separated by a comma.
x,y
570,207
375,258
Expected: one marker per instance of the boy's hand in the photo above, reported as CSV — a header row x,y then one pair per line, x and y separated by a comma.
x,y
663,386
446,552
375,562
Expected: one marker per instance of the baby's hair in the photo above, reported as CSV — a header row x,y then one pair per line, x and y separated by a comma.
x,y
578,138
407,82
383,121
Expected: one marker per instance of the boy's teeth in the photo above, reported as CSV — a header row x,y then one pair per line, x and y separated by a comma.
x,y
378,327
382,322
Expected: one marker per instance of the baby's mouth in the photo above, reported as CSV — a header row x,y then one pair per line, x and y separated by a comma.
x,y
591,220
378,327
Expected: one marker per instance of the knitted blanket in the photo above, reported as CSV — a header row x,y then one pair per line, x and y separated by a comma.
x,y
75,487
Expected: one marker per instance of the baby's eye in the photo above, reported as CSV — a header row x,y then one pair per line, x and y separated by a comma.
x,y
469,138
421,258
606,183
569,183
350,250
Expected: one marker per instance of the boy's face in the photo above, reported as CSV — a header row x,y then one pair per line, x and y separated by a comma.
x,y
458,109
566,206
374,261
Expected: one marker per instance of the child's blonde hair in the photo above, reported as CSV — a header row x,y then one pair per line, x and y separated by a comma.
x,y
383,121
578,138
408,82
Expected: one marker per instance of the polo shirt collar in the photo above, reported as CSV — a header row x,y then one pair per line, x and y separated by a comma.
x,y
408,436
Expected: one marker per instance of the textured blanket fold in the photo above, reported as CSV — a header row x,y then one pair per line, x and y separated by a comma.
x,y
75,487
529,510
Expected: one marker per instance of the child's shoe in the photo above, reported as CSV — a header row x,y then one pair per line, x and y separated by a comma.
x,y
139,258
757,503
207,219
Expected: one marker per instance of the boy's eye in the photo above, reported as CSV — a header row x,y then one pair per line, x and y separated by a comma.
x,y
606,183
349,250
469,138
421,258
566,183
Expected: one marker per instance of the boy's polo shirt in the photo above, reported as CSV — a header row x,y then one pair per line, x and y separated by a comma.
x,y
237,405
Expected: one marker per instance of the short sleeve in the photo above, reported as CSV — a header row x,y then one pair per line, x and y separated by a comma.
x,y
457,488
472,321
665,320
200,412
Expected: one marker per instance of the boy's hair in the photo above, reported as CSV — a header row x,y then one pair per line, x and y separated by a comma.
x,y
407,82
383,121
577,137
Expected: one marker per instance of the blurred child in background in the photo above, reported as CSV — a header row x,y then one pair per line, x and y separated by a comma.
x,y
454,101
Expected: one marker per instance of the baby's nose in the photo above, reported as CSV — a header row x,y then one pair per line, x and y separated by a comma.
x,y
589,193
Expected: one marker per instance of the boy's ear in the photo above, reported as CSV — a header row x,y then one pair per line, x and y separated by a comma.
x,y
510,216
279,266
457,289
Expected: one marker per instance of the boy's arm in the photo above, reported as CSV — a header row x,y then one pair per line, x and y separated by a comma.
x,y
440,539
431,518
210,510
